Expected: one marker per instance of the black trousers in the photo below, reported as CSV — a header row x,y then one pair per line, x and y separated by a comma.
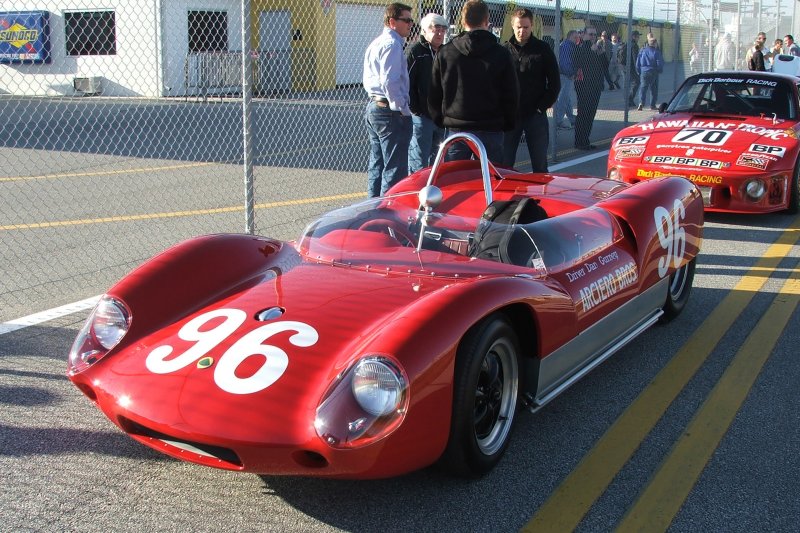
x,y
635,83
588,99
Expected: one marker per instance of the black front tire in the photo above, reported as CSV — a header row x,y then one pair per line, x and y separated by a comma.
x,y
485,398
680,286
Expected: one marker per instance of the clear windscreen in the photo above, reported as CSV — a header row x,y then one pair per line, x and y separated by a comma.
x,y
734,94
393,234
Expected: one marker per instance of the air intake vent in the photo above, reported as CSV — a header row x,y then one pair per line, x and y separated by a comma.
x,y
216,452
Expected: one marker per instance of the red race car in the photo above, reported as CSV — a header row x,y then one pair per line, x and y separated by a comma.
x,y
395,333
733,134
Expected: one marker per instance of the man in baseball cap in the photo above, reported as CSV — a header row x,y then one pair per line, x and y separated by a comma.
x,y
426,136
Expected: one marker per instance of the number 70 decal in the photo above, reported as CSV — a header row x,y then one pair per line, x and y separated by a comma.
x,y
250,344
702,136
671,236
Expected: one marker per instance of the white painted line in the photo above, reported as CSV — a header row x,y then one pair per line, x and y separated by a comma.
x,y
578,161
64,310
50,314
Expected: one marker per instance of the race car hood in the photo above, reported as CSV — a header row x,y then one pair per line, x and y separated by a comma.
x,y
709,142
253,366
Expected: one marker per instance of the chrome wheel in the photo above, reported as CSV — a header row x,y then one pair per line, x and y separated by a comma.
x,y
496,396
677,282
680,285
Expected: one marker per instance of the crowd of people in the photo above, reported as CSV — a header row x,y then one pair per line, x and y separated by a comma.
x,y
726,55
423,91
474,84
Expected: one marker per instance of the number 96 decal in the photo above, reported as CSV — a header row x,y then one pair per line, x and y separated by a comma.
x,y
275,363
671,236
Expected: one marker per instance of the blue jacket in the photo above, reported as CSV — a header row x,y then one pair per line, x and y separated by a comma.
x,y
649,58
566,58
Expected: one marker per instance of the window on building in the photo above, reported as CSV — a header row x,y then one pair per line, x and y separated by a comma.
x,y
208,31
90,33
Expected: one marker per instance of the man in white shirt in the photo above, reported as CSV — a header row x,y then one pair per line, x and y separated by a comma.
x,y
387,114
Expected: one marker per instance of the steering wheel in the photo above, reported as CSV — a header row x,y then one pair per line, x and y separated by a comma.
x,y
391,228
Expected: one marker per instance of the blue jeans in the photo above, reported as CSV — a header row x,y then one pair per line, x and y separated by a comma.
x,y
649,83
492,141
537,137
566,101
425,136
389,134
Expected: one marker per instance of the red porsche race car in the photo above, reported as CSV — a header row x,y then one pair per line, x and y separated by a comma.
x,y
394,333
733,134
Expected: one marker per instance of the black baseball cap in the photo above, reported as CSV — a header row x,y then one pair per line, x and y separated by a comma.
x,y
636,33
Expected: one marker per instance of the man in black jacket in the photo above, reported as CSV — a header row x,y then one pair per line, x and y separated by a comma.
x,y
426,134
539,84
588,86
474,85
633,74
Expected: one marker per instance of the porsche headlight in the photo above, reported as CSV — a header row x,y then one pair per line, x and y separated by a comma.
x,y
378,386
105,327
365,403
755,189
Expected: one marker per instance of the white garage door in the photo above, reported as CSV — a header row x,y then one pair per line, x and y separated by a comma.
x,y
356,27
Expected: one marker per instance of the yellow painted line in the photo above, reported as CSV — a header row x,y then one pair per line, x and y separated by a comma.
x,y
174,214
105,172
140,170
657,506
571,500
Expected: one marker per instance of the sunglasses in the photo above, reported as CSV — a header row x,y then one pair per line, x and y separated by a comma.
x,y
406,20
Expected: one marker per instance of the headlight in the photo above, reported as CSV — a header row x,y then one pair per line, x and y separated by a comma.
x,y
614,174
105,327
378,386
755,189
365,403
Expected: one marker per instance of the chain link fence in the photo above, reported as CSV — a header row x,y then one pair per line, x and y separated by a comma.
x,y
127,126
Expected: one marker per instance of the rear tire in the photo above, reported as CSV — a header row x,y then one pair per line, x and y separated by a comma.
x,y
680,286
485,398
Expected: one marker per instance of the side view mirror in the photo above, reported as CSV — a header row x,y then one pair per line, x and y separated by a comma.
x,y
662,107
430,196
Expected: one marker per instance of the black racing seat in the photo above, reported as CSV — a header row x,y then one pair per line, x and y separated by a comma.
x,y
499,235
780,103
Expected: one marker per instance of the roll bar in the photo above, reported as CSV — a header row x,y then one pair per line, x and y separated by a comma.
x,y
478,150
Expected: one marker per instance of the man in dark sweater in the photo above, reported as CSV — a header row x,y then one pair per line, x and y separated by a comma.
x,y
474,85
539,84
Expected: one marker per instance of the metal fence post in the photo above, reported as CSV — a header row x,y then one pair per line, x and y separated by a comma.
x,y
247,133
557,32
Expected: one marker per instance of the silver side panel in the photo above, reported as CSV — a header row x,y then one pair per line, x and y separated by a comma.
x,y
571,362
